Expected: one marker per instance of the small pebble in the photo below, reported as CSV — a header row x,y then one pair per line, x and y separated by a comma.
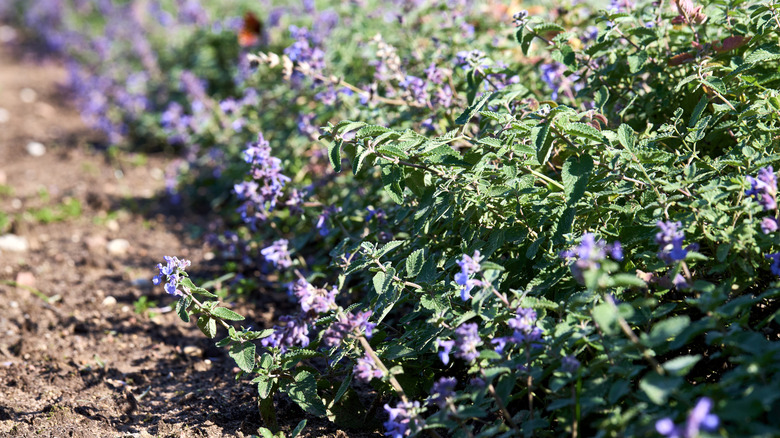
x,y
28,95
118,247
25,278
191,350
13,243
5,116
112,225
35,149
109,301
7,34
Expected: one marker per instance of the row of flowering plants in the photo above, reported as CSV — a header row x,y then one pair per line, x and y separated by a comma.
x,y
490,223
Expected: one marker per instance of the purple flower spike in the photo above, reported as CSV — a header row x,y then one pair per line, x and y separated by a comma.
x,y
468,266
172,272
570,364
764,188
589,254
670,240
699,419
295,332
311,298
366,369
444,355
348,325
277,254
443,389
775,262
468,341
402,417
769,225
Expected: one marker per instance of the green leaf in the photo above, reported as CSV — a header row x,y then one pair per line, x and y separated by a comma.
x,y
473,109
414,262
181,308
360,159
606,317
579,129
244,355
626,136
392,175
189,285
264,386
601,97
659,388
392,151
371,131
700,107
542,139
680,366
575,175
334,155
304,393
342,389
208,326
226,314
298,429
666,329
382,282
637,61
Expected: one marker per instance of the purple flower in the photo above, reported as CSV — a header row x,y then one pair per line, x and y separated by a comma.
x,y
444,355
172,271
260,195
348,325
669,240
769,225
570,364
295,332
322,220
402,417
467,341
278,254
764,188
468,266
312,298
589,254
442,390
699,419
775,262
366,369
520,18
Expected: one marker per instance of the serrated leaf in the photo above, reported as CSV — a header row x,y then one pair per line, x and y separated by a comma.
x,y
666,329
389,246
473,109
226,314
181,308
605,316
392,151
579,129
264,386
381,282
208,326
360,159
345,126
392,175
342,389
540,135
626,136
659,388
698,111
334,155
414,262
371,131
304,393
548,27
575,175
637,61
244,355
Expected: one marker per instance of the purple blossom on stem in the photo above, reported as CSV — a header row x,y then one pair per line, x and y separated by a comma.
x,y
669,241
468,266
769,225
525,329
278,254
589,254
467,341
764,188
775,262
322,220
348,325
442,390
295,332
570,364
261,193
402,416
699,419
366,369
172,271
312,298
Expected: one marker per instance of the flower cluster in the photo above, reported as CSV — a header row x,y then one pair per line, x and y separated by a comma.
x,y
261,193
670,240
366,369
443,390
348,325
294,333
763,189
312,298
524,329
589,255
467,342
173,271
402,418
278,254
553,76
699,419
468,267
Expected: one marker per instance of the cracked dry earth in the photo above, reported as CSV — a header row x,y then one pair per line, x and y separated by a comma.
x,y
79,238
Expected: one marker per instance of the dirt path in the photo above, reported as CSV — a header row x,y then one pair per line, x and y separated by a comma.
x,y
75,357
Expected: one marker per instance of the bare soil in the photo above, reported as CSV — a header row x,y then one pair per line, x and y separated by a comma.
x,y
76,359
